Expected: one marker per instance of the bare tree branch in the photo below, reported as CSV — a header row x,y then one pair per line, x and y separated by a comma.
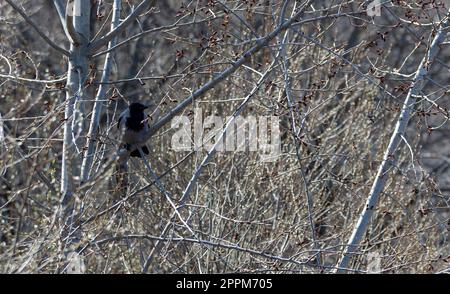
x,y
295,134
36,28
97,109
74,37
77,74
262,42
21,79
389,155
59,5
130,18
306,262
212,151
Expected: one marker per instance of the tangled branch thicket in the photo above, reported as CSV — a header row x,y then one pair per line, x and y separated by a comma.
x,y
336,78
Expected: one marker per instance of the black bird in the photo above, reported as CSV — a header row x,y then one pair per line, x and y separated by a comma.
x,y
133,127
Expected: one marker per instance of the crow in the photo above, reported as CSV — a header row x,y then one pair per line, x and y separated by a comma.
x,y
133,128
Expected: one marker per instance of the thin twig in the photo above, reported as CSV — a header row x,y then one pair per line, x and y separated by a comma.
x,y
130,18
36,28
389,155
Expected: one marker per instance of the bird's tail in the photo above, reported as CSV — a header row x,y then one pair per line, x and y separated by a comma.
x,y
136,153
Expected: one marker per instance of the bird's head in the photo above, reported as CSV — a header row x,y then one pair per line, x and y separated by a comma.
x,y
137,107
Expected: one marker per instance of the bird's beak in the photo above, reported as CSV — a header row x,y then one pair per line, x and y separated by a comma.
x,y
146,106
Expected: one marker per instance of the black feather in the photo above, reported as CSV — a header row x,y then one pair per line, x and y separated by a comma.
x,y
136,153
118,122
134,118
135,121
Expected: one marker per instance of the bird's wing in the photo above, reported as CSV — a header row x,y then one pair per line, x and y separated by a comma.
x,y
122,118
118,122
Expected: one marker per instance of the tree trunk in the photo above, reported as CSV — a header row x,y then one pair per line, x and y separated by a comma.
x,y
78,24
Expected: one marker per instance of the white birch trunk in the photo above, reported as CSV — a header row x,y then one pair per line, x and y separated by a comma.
x,y
389,155
77,70
97,109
